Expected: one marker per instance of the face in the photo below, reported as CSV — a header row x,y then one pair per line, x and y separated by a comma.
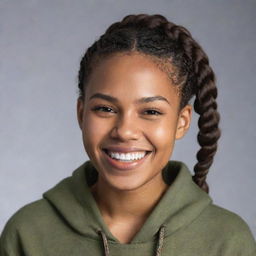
x,y
130,120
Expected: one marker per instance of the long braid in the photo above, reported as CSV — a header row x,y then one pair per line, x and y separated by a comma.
x,y
166,42
205,104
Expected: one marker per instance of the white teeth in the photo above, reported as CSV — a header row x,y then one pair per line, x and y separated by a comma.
x,y
127,156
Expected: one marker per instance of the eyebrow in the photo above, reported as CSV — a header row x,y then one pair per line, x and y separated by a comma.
x,y
141,100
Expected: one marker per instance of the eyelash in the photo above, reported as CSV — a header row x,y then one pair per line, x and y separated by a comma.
x,y
99,108
154,110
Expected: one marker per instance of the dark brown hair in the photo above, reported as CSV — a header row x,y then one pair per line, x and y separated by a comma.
x,y
169,45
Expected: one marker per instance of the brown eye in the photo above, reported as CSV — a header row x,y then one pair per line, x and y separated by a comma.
x,y
153,112
103,109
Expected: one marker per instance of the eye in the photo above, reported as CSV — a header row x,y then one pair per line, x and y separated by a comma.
x,y
103,109
153,112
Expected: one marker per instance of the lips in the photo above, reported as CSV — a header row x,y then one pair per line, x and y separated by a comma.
x,y
124,165
118,149
131,156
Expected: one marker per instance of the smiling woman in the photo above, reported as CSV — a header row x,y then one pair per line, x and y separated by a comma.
x,y
129,87
135,85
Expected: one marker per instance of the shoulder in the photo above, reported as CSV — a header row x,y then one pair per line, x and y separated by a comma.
x,y
39,212
232,232
29,214
24,222
228,220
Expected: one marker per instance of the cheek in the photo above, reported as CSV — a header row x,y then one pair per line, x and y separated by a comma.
x,y
163,136
93,131
91,128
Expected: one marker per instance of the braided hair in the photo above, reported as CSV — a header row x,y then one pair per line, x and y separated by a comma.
x,y
168,45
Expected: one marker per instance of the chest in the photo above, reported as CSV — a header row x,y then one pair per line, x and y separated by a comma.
x,y
124,231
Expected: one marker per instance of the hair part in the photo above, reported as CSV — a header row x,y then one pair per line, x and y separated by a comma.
x,y
174,51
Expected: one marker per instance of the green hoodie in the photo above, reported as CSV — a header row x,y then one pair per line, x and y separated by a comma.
x,y
68,222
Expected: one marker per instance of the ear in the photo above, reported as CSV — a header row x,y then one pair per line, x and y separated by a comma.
x,y
80,111
184,121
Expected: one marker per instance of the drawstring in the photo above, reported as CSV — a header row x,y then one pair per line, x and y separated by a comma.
x,y
159,244
105,243
160,241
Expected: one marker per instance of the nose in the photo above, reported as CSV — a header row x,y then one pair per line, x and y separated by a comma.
x,y
125,128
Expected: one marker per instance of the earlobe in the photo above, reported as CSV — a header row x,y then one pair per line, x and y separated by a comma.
x,y
184,121
80,110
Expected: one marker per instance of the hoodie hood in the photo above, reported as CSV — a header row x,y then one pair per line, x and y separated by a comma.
x,y
182,203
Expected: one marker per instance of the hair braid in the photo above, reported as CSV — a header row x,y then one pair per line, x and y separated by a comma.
x,y
205,104
209,133
169,45
84,72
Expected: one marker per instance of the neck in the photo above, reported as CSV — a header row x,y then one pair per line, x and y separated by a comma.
x,y
134,204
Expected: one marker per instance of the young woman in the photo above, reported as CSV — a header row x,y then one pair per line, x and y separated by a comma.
x,y
135,85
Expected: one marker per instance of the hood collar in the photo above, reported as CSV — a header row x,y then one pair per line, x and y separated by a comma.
x,y
160,242
180,205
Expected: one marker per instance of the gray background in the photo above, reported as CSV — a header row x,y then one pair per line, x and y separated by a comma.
x,y
41,43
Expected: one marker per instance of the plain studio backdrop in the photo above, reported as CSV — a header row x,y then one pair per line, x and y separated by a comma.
x,y
41,43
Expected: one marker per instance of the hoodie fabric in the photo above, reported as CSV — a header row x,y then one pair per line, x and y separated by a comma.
x,y
68,222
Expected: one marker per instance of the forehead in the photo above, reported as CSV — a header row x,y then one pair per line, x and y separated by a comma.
x,y
129,75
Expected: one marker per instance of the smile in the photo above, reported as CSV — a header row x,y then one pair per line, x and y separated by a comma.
x,y
126,156
125,161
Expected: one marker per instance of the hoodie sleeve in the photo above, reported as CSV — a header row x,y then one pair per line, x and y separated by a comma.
x,y
22,233
10,244
233,233
242,242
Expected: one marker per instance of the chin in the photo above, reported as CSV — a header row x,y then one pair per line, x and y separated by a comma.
x,y
124,183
